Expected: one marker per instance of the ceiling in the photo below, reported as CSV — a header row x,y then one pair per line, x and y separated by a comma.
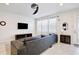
x,y
44,8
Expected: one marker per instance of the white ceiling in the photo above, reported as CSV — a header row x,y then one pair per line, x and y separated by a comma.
x,y
44,8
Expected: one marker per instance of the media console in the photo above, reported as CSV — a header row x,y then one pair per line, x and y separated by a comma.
x,y
19,36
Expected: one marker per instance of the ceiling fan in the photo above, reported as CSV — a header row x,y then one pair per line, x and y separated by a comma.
x,y
35,7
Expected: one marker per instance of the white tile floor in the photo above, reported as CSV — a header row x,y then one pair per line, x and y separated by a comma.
x,y
62,49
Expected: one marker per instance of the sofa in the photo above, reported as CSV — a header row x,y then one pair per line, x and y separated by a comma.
x,y
35,45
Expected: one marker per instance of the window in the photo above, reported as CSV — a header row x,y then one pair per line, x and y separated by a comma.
x,y
39,27
52,25
46,26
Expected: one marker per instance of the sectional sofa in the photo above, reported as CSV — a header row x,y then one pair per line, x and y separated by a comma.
x,y
33,45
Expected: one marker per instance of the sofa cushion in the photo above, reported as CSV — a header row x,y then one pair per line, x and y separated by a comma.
x,y
17,44
31,38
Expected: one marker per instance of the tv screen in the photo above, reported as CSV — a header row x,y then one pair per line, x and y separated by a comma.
x,y
22,26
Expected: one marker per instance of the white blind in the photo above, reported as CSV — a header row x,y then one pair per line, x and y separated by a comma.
x,y
39,29
46,26
52,25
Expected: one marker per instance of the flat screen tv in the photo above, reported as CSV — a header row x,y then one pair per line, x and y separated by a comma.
x,y
22,26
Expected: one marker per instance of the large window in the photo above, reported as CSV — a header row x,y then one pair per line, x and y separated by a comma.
x,y
39,27
46,26
52,25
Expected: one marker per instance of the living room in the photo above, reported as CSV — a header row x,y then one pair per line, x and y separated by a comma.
x,y
55,23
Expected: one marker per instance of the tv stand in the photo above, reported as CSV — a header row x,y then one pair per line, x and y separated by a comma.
x,y
19,36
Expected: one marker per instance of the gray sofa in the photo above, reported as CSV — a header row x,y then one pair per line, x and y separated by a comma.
x,y
36,45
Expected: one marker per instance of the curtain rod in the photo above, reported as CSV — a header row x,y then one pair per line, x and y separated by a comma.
x,y
47,17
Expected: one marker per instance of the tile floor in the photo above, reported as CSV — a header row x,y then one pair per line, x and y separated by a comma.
x,y
62,49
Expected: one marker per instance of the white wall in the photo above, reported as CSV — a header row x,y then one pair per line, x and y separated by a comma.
x,y
8,32
67,17
11,25
70,17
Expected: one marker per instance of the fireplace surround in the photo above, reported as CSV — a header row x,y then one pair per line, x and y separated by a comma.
x,y
65,39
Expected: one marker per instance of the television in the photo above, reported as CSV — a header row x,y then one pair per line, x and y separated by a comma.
x,y
22,26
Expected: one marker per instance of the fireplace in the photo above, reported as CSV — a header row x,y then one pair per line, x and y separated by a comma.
x,y
65,39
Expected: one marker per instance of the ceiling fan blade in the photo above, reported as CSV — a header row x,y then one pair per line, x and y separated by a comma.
x,y
36,10
35,7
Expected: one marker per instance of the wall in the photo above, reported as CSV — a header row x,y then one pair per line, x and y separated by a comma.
x,y
67,17
8,32
70,17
